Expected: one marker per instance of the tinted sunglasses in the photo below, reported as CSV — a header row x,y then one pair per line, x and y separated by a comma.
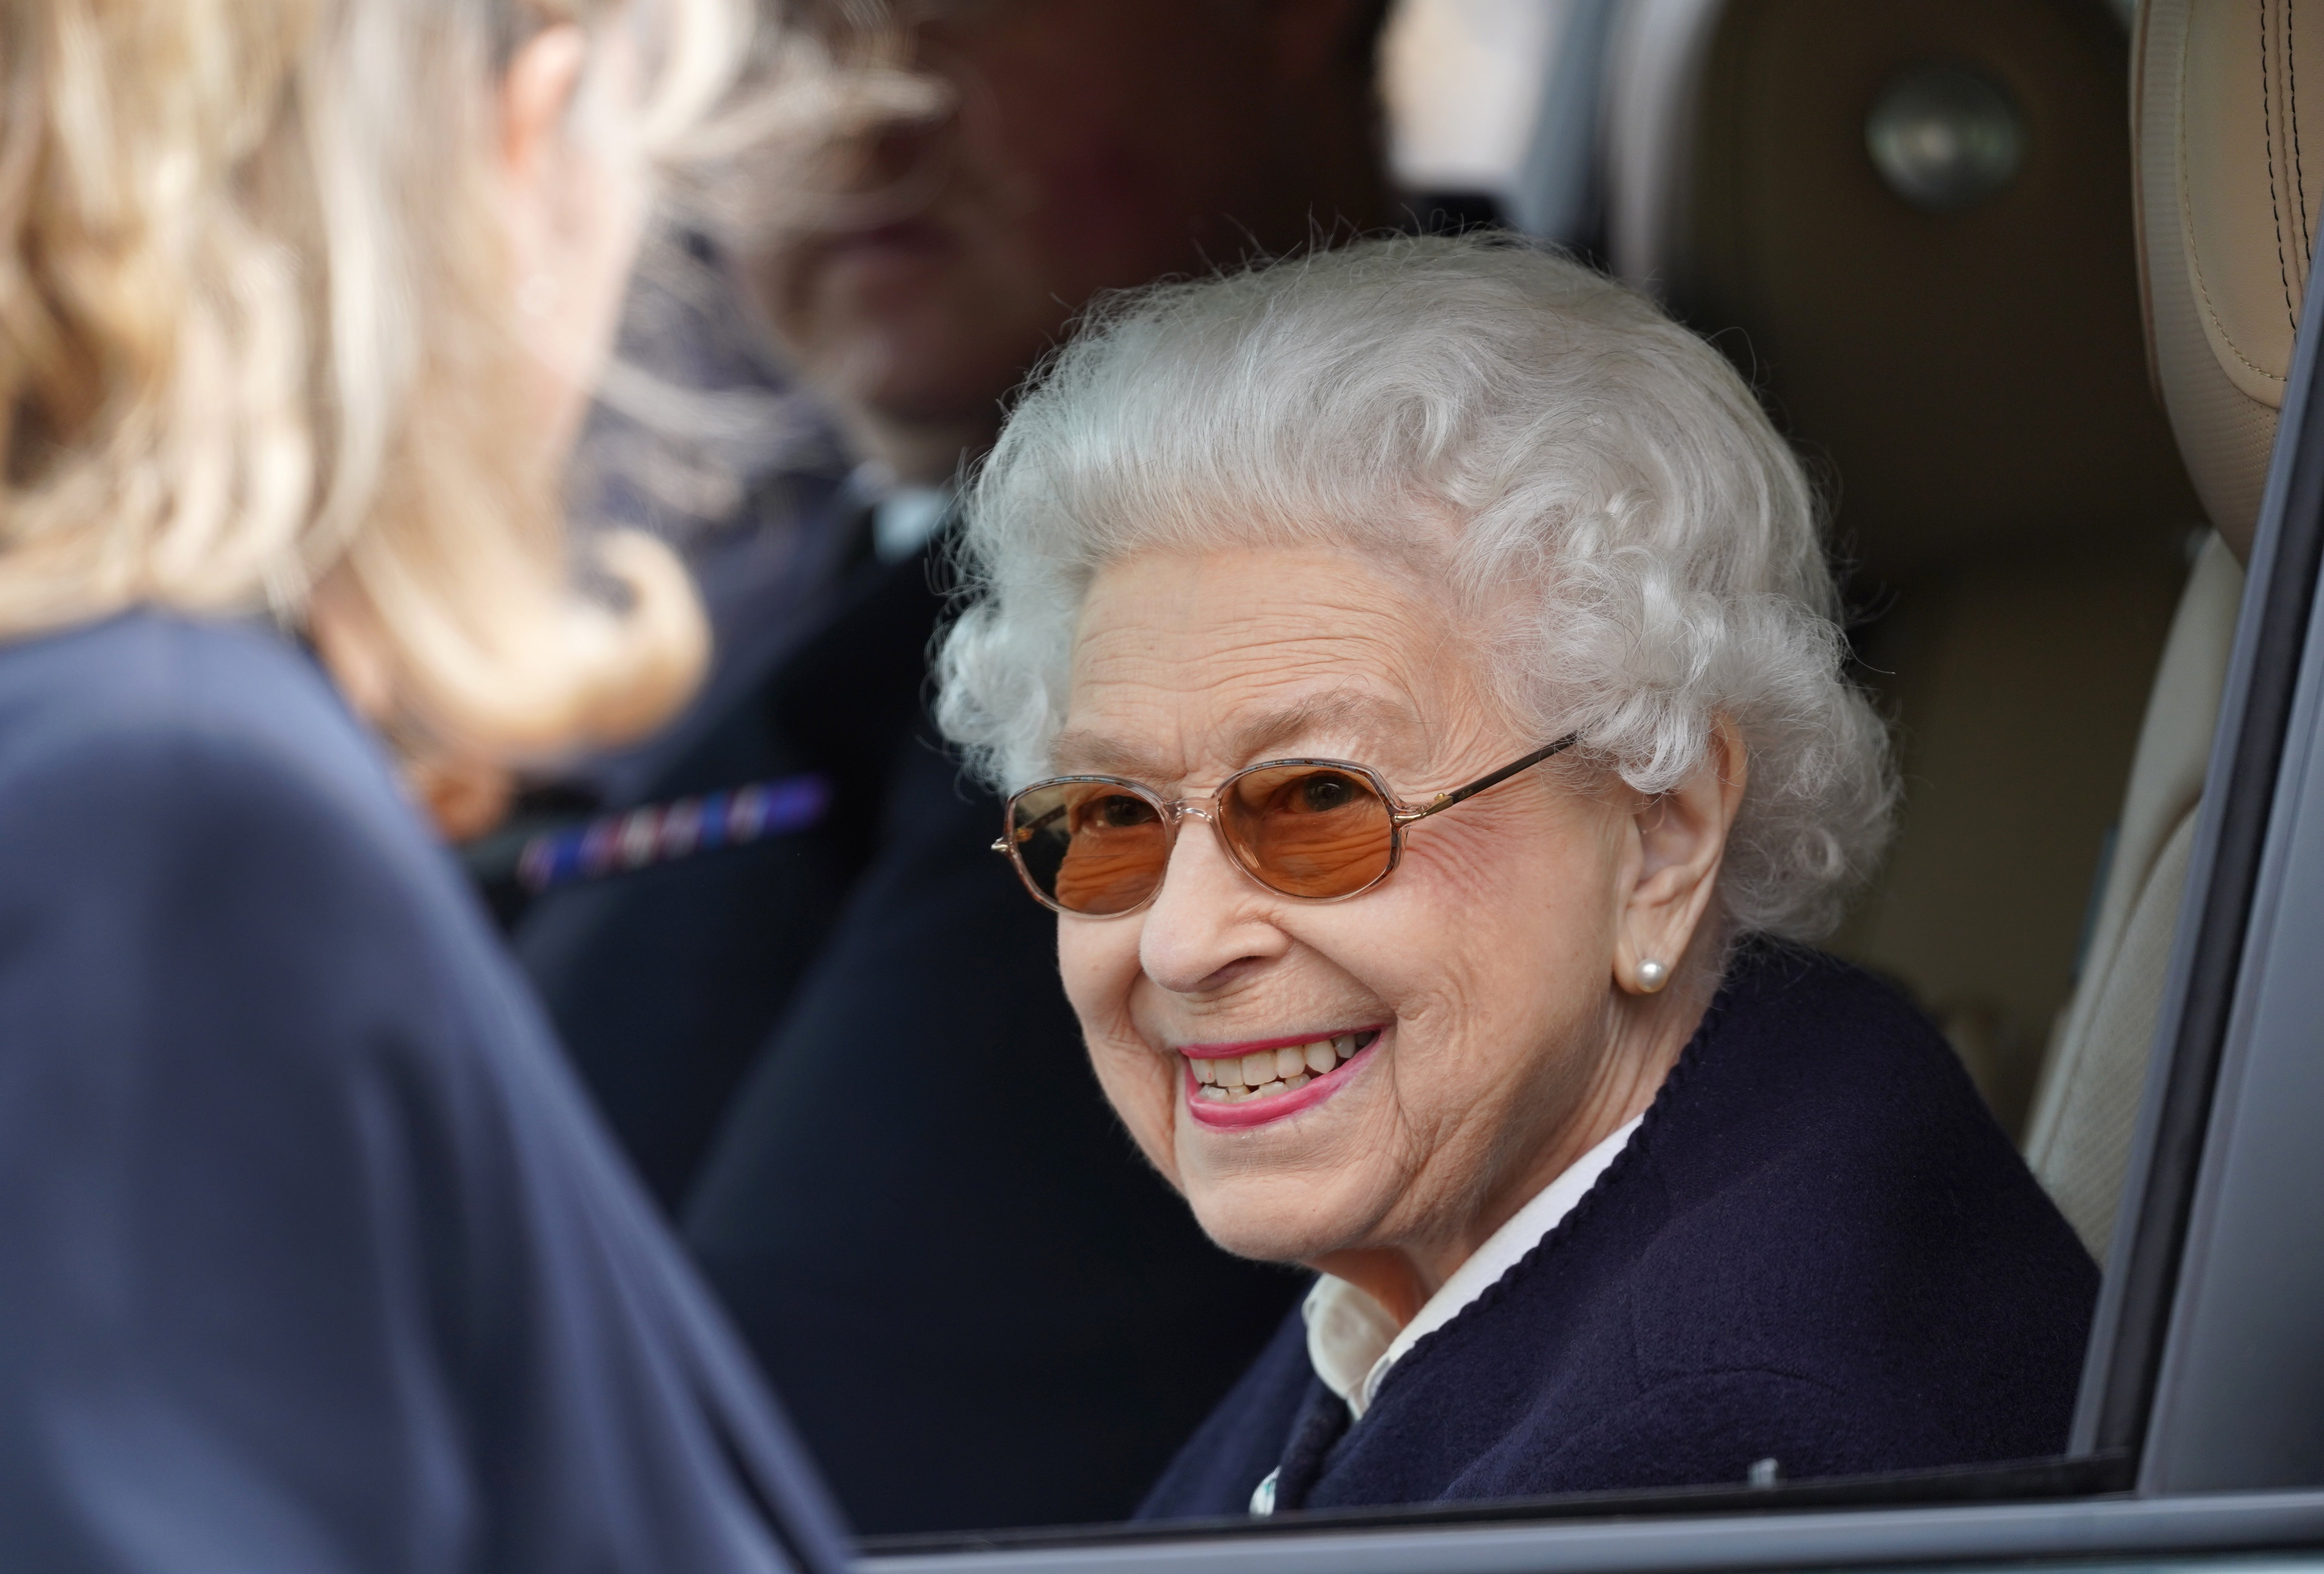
x,y
1321,831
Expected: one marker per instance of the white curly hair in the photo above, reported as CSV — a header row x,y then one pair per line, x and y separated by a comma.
x,y
1595,480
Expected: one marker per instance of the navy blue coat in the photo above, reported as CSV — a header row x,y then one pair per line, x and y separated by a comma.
x,y
312,1255
1817,1248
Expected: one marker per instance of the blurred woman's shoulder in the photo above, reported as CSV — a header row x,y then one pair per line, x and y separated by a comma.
x,y
162,710
196,819
255,1016
152,729
190,805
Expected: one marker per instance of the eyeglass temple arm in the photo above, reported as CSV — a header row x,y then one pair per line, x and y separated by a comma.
x,y
1445,801
1025,832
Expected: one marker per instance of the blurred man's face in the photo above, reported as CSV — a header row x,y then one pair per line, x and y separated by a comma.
x,y
1091,143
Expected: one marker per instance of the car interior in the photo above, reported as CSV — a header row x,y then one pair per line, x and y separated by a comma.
x,y
1915,229
2220,335
1968,366
2023,279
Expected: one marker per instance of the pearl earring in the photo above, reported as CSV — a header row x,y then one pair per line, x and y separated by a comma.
x,y
1652,976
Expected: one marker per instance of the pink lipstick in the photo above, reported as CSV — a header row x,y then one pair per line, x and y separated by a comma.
x,y
1254,1081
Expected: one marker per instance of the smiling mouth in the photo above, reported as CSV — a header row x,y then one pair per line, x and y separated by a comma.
x,y
1265,1074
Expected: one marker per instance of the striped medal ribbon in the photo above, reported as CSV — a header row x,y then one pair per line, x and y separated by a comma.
x,y
663,833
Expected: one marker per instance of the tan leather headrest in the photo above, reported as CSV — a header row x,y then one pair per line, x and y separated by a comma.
x,y
1970,374
2229,195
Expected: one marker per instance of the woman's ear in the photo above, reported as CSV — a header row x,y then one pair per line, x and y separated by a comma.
x,y
539,179
536,91
1679,839
574,190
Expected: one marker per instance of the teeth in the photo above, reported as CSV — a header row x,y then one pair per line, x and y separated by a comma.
x,y
1264,1073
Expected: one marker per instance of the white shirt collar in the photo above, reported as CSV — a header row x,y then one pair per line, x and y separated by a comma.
x,y
1351,1339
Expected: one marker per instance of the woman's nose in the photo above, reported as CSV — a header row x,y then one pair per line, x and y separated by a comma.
x,y
1208,923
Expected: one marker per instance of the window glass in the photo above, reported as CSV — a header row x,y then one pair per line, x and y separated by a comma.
x,y
1910,231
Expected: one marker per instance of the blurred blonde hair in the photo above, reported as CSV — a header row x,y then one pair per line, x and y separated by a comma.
x,y
257,352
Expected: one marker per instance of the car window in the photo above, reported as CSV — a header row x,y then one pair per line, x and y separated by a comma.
x,y
2022,584
1916,230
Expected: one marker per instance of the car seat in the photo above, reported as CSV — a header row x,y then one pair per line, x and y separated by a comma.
x,y
1957,345
2228,206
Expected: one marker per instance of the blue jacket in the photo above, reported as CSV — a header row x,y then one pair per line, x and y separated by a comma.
x,y
312,1255
1817,1248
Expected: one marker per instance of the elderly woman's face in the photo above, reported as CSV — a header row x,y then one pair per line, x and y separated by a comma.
x,y
1478,976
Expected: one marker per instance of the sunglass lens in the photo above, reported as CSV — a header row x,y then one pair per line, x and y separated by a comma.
x,y
1308,830
1090,847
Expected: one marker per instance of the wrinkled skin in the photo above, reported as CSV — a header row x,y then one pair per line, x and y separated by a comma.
x,y
1500,958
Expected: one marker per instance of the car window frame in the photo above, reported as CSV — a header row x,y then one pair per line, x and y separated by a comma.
x,y
2200,1426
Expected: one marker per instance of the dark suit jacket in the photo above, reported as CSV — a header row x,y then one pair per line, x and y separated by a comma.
x,y
971,1289
1817,1248
312,1255
665,982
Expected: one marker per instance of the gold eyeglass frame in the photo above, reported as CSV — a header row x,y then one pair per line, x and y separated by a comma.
x,y
1174,812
